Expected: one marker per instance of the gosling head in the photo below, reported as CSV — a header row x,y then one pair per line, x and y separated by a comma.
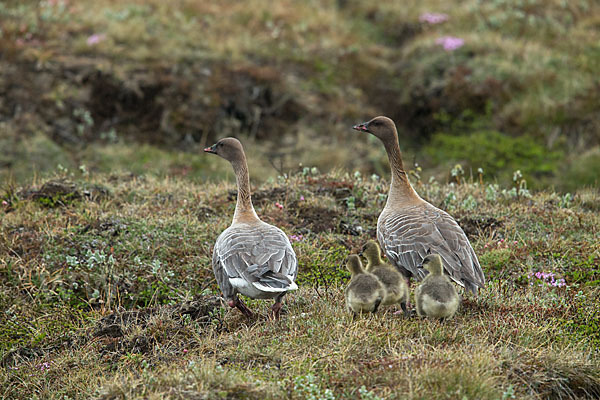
x,y
381,127
229,148
372,253
354,265
433,264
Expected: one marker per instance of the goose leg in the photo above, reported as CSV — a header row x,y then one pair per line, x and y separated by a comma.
x,y
276,308
376,306
405,309
239,304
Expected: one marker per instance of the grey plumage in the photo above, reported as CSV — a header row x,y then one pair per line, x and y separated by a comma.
x,y
409,234
258,254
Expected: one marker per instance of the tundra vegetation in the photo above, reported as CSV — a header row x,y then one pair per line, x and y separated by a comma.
x,y
109,211
107,290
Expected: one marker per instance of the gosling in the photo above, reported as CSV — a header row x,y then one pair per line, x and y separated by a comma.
x,y
365,292
436,296
393,281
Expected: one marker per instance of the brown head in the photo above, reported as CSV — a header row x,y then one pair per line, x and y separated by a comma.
x,y
381,127
229,148
354,265
372,253
433,264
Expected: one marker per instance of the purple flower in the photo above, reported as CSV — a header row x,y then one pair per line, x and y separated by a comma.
x,y
433,18
301,198
450,43
4,202
547,278
296,238
95,38
44,366
278,205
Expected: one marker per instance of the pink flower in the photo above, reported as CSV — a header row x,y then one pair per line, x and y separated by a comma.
x,y
301,198
44,366
433,18
95,38
185,351
296,238
450,43
279,205
4,202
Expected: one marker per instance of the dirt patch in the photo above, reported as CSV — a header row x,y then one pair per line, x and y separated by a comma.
x,y
52,194
203,213
318,219
474,226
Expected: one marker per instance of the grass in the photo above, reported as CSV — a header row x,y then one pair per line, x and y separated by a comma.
x,y
96,79
113,296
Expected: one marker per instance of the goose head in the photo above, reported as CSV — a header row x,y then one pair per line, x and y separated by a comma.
x,y
228,148
433,264
380,127
354,265
372,252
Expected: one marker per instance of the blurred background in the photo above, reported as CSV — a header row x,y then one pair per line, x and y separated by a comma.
x,y
108,86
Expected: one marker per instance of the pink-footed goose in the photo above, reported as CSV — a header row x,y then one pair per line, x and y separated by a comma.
x,y
250,257
409,228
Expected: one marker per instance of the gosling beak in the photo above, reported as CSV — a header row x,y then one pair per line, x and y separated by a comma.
x,y
212,149
361,127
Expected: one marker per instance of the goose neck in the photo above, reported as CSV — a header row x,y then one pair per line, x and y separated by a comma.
x,y
244,210
400,188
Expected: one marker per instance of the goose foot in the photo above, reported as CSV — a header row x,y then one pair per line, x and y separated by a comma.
x,y
237,303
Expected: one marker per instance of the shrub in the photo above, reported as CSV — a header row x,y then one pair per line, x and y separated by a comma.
x,y
495,152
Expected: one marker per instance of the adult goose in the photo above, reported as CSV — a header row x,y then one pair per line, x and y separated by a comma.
x,y
409,228
250,257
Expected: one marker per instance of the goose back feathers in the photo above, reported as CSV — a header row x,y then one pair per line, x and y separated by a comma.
x,y
254,259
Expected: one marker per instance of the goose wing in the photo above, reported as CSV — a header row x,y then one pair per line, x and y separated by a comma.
x,y
259,254
407,235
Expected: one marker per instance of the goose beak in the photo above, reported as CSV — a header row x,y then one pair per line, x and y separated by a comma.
x,y
212,149
361,127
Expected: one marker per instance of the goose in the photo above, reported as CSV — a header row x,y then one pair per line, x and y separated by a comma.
x,y
409,228
250,257
365,292
436,296
393,281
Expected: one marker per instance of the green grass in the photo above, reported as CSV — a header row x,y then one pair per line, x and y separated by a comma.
x,y
144,249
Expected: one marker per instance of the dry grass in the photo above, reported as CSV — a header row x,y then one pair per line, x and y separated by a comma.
x,y
59,336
